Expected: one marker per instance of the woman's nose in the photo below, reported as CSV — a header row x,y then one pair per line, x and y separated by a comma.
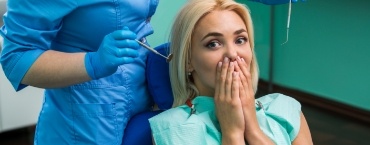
x,y
231,53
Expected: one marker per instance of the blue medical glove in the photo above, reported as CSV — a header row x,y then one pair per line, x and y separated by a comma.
x,y
117,48
276,2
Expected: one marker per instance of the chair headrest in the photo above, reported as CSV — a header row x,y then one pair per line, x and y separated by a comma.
x,y
158,79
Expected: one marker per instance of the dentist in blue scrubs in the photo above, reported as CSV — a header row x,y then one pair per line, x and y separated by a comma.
x,y
83,52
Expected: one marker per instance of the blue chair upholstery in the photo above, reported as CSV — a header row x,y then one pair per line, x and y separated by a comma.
x,y
157,74
138,130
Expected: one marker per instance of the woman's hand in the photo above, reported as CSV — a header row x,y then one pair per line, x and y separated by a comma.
x,y
253,134
246,90
227,103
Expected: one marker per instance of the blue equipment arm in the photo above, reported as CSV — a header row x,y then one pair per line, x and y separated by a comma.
x,y
275,2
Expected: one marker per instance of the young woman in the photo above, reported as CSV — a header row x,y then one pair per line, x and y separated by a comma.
x,y
214,76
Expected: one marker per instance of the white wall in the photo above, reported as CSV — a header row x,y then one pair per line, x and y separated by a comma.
x,y
2,11
18,109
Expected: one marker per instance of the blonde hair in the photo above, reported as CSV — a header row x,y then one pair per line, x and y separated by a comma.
x,y
183,27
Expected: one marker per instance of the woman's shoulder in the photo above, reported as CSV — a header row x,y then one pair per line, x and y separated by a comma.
x,y
176,111
172,126
171,116
279,111
277,100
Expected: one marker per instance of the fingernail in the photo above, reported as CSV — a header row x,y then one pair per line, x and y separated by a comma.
x,y
219,64
226,59
231,63
243,60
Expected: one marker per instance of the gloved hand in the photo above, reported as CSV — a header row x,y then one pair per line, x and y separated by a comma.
x,y
276,2
117,48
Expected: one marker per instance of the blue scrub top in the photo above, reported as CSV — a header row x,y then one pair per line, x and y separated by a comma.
x,y
94,112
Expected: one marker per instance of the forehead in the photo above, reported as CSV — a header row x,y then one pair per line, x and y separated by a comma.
x,y
220,20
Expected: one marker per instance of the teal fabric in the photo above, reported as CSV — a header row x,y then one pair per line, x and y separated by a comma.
x,y
278,117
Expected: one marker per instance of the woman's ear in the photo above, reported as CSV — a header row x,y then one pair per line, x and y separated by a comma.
x,y
189,68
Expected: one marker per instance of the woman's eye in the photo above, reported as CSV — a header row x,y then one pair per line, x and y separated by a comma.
x,y
213,44
241,40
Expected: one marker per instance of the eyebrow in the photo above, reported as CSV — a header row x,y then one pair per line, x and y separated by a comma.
x,y
212,34
219,34
240,31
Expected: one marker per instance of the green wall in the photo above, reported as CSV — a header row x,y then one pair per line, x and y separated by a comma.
x,y
163,19
327,53
328,49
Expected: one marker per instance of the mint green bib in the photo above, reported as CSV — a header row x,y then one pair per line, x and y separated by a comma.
x,y
278,116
